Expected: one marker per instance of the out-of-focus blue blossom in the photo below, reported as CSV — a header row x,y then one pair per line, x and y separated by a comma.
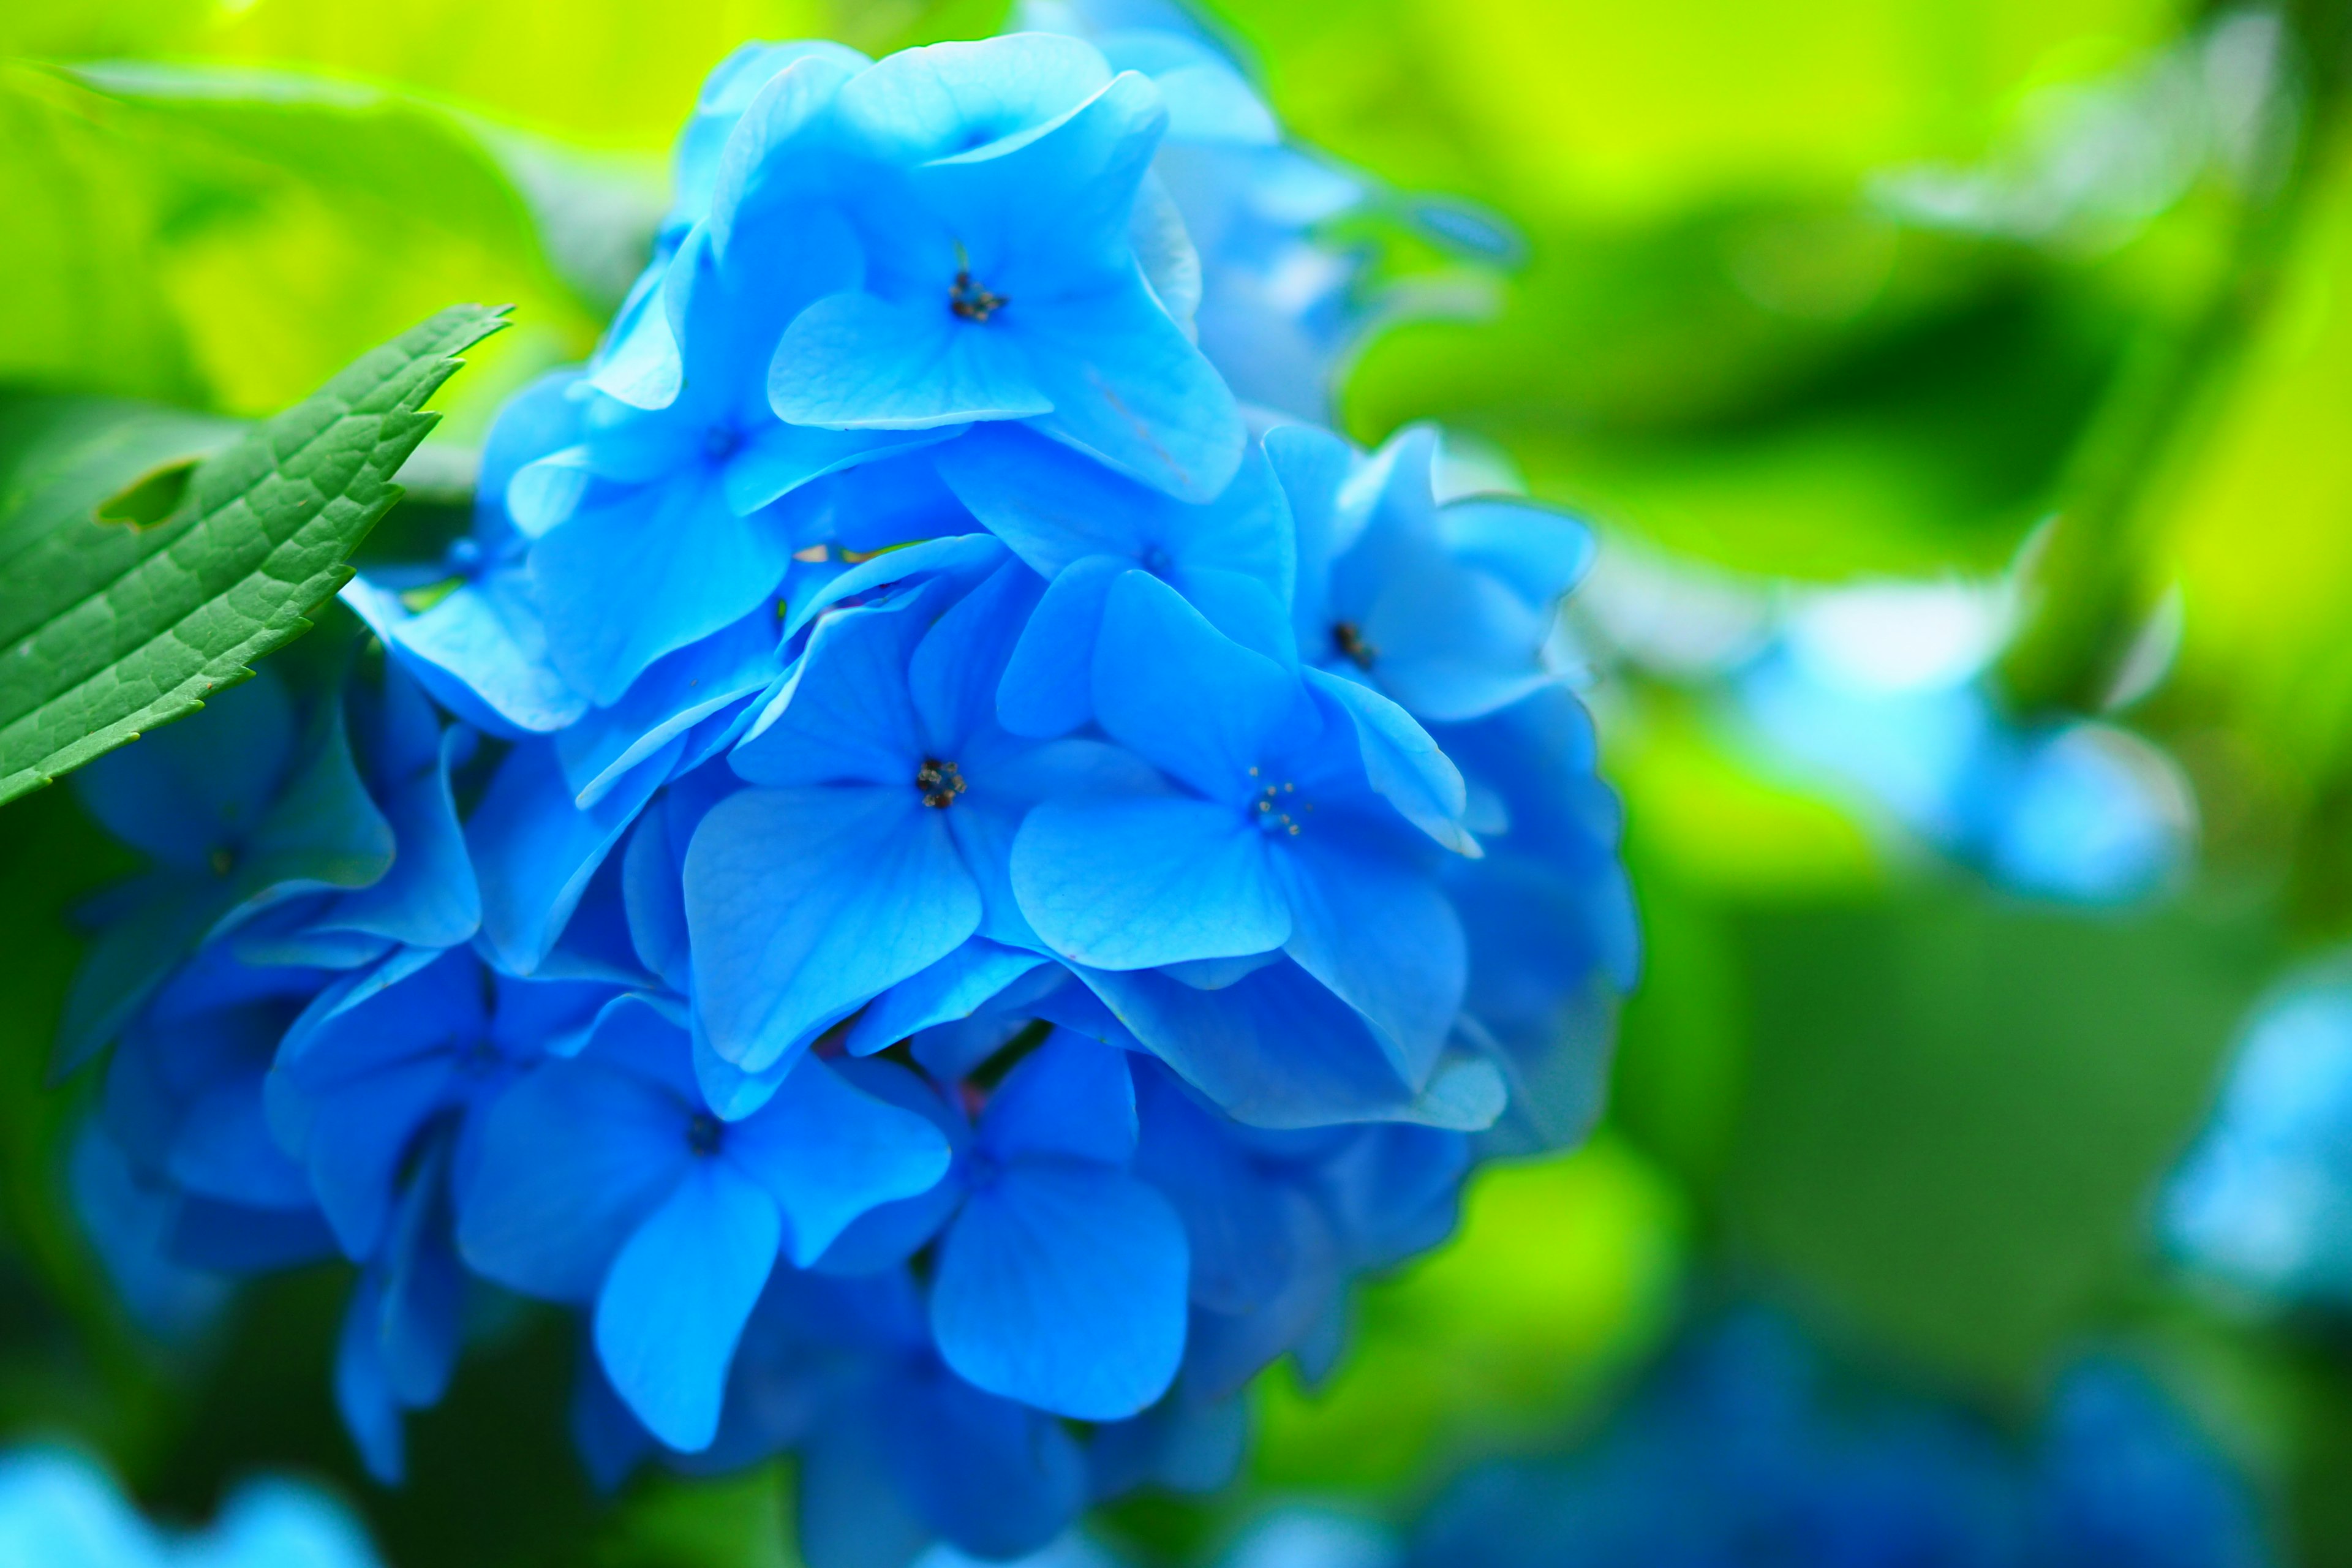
x,y
1885,690
2122,1480
59,1510
991,886
2264,1198
1745,1453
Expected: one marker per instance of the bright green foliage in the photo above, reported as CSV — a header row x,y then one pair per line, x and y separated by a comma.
x,y
111,627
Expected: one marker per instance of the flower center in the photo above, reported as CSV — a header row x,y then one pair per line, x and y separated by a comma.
x,y
939,781
970,302
1277,807
702,1133
721,442
1351,642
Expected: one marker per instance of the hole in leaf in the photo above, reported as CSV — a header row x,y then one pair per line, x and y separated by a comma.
x,y
152,497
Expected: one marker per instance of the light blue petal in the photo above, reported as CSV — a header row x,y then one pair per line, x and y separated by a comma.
x,y
948,99
674,1306
1048,685
1127,384
1539,551
1185,696
779,458
1402,761
845,715
1062,1286
805,904
1136,883
1071,1096
1383,937
858,363
572,1159
828,1153
482,652
1453,644
620,585
1055,505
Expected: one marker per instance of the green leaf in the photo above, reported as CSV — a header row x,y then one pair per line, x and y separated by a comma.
x,y
1959,1109
106,630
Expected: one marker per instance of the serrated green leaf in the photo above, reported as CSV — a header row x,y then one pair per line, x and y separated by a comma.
x,y
106,630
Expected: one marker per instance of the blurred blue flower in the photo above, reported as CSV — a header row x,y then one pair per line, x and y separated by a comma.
x,y
1885,689
1745,1452
2264,1200
60,1511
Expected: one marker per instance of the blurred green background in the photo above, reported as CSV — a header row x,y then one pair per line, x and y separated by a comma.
x,y
1818,291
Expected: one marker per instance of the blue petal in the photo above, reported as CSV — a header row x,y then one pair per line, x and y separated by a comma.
x,y
1071,1096
1133,884
429,898
1185,696
536,852
1047,689
1276,1049
1062,1286
1382,936
357,1135
887,1235
961,558
572,1158
994,1478
955,987
674,1303
677,692
1402,761
481,651
620,584
1056,506
1313,466
197,786
806,904
953,673
845,716
1126,383
654,900
779,458
856,361
362,1394
827,1153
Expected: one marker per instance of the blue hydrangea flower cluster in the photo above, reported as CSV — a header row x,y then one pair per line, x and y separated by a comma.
x,y
943,865
2263,1201
59,1510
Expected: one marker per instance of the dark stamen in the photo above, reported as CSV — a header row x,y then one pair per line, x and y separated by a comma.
x,y
939,781
702,1133
1351,642
971,301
